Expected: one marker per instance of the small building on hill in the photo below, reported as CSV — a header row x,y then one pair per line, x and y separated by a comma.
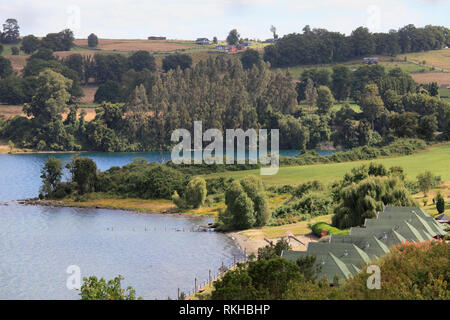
x,y
202,41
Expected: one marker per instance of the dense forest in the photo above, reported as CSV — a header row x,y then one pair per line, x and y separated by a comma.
x,y
140,106
320,46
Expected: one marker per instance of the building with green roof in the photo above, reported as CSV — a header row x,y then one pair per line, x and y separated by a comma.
x,y
373,247
331,266
344,255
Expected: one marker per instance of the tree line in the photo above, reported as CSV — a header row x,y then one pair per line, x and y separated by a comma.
x,y
320,46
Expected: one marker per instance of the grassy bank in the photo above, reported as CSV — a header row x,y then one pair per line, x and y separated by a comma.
x,y
435,159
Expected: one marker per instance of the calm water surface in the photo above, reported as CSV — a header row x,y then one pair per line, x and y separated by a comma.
x,y
157,254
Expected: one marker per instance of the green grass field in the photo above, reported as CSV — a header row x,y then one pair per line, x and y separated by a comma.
x,y
436,160
445,94
386,62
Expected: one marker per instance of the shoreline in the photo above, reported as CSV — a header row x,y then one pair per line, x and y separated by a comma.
x,y
72,204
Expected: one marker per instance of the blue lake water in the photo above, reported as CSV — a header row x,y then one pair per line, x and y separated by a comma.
x,y
157,254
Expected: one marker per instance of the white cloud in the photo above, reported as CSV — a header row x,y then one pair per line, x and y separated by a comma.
x,y
187,19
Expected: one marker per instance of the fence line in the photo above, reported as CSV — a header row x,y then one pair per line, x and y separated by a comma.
x,y
212,277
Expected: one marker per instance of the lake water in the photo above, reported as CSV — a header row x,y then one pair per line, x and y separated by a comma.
x,y
157,254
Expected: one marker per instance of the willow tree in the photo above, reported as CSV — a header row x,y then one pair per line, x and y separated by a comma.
x,y
363,200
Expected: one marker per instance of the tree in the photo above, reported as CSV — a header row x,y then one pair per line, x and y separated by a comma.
x,y
109,92
51,96
273,29
174,61
30,44
425,181
195,193
362,42
341,82
5,67
272,251
440,203
10,31
141,60
246,204
371,103
324,100
364,199
1,47
310,93
427,126
15,51
92,40
250,58
51,175
233,37
61,41
84,174
95,289
262,279
215,41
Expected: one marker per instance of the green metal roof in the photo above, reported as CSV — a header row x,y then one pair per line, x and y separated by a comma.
x,y
347,252
417,222
368,243
331,266
388,237
344,255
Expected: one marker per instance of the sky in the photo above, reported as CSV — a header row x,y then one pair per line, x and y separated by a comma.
x,y
191,19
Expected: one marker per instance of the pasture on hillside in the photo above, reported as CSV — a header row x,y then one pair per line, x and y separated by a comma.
x,y
435,159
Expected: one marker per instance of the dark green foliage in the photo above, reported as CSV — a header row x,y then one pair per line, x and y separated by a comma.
x,y
320,46
100,289
43,54
262,279
92,40
84,174
363,199
5,67
272,251
109,92
195,192
173,61
51,175
324,99
310,205
307,268
10,31
249,58
30,44
61,41
15,51
233,37
142,180
141,60
109,67
440,203
246,204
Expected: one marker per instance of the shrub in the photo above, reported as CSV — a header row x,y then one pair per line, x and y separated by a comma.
x,y
363,199
95,289
195,193
440,203
318,229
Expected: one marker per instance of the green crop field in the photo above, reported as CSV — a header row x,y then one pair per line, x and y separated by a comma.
x,y
386,62
445,94
436,160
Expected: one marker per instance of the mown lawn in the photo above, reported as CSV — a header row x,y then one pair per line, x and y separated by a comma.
x,y
280,231
436,160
